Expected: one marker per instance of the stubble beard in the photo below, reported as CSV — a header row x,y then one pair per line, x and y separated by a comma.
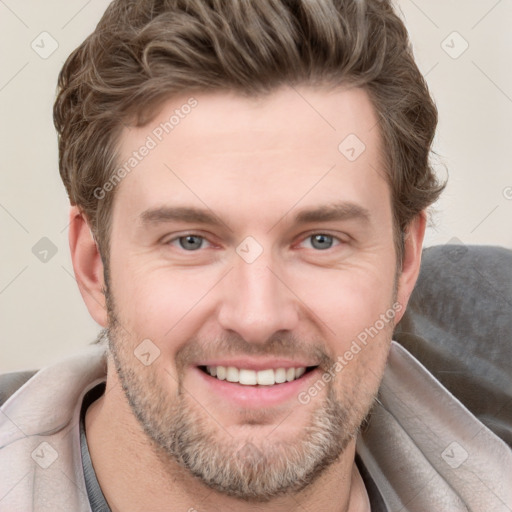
x,y
181,431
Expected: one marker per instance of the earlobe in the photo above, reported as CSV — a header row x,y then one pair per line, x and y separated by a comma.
x,y
87,265
411,261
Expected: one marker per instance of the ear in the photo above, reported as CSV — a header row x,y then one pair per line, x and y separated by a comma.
x,y
87,265
411,260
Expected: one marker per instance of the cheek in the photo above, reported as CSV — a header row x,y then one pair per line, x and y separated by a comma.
x,y
347,301
158,303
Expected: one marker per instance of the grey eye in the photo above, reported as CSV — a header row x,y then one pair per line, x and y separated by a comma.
x,y
321,241
191,242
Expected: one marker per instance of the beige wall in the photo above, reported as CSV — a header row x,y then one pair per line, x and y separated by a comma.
x,y
43,317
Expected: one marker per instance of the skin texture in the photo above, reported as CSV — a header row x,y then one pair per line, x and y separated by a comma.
x,y
253,164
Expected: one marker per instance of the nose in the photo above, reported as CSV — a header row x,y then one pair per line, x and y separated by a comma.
x,y
257,302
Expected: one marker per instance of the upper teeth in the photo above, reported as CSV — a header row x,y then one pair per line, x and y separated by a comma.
x,y
251,377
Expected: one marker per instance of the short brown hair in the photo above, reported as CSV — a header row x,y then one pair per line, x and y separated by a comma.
x,y
145,51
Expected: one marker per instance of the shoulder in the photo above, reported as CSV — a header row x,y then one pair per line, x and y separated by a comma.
x,y
11,382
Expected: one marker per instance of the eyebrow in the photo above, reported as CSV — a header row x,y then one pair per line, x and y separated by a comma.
x,y
180,213
333,212
324,213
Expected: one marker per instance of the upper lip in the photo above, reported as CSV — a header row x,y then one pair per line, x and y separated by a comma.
x,y
258,364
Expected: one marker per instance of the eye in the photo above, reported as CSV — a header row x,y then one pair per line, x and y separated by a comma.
x,y
321,241
189,242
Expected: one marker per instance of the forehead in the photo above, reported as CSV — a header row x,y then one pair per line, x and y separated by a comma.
x,y
295,145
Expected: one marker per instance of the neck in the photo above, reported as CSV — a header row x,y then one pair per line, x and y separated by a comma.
x,y
133,477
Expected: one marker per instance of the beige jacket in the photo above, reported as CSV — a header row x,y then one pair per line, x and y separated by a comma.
x,y
425,451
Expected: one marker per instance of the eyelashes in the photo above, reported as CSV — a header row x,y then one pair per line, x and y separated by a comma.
x,y
193,242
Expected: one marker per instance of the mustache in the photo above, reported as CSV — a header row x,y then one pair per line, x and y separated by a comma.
x,y
280,344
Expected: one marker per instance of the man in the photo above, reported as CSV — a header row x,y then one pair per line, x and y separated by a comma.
x,y
248,183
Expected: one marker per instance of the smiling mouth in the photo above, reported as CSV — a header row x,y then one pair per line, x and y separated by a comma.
x,y
267,377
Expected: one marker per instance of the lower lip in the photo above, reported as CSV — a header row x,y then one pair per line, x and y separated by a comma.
x,y
258,396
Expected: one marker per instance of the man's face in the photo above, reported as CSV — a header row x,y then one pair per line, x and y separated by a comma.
x,y
254,238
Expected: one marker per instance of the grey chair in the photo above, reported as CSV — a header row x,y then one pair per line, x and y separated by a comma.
x,y
459,325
